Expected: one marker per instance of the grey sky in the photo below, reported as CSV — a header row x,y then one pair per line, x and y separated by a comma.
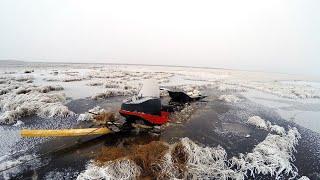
x,y
272,35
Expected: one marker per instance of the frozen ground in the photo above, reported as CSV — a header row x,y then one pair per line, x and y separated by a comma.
x,y
260,109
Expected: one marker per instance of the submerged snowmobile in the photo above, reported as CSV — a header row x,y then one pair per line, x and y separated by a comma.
x,y
145,106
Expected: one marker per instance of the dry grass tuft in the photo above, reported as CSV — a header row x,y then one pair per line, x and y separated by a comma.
x,y
179,157
104,117
147,156
111,154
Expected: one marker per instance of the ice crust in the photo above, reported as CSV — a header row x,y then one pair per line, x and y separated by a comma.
x,y
9,136
6,162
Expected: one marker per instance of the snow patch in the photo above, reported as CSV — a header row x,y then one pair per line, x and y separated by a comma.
x,y
85,117
277,129
88,116
113,170
18,124
304,178
258,121
229,98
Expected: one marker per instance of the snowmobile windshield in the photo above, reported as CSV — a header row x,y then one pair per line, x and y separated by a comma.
x,y
150,88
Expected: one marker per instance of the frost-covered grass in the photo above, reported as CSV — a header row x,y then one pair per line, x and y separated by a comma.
x,y
187,160
32,100
266,125
258,121
119,76
46,89
41,89
273,157
113,93
64,78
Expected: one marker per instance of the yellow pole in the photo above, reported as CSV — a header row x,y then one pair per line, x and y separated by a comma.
x,y
64,132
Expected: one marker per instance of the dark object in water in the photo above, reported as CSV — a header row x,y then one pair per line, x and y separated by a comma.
x,y
28,71
182,97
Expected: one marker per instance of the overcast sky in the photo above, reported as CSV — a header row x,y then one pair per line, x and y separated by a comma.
x,y
270,35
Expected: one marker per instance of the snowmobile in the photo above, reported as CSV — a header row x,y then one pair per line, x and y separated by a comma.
x,y
145,106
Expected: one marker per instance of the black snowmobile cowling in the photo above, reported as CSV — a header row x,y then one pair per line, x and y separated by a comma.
x,y
144,105
182,97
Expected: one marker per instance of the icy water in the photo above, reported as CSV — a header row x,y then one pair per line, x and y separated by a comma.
x,y
307,83
303,112
212,123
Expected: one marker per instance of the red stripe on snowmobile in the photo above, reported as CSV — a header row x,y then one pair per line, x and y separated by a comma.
x,y
154,119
